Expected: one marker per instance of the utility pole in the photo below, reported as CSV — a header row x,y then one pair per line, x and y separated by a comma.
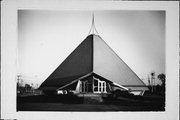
x,y
152,81
18,80
18,90
149,83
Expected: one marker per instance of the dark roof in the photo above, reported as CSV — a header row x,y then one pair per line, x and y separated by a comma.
x,y
59,82
93,55
79,62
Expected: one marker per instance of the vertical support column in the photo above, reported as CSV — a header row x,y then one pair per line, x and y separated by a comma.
x,y
78,87
83,86
105,87
101,86
98,85
93,84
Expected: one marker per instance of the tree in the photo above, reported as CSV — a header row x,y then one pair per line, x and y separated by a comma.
x,y
162,77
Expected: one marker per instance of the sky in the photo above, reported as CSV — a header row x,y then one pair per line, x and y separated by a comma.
x,y
46,38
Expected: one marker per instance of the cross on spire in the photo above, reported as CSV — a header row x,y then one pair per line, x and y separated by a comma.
x,y
93,28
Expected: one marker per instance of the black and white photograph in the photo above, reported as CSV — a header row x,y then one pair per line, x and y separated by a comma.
x,y
90,61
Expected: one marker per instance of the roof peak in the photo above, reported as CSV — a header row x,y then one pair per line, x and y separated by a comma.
x,y
92,34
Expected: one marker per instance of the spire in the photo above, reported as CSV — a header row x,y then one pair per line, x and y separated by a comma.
x,y
93,28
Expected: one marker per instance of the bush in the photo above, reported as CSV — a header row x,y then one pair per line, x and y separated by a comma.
x,y
119,93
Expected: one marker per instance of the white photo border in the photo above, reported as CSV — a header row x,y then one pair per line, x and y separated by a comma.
x,y
9,38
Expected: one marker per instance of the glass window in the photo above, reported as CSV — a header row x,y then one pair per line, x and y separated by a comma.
x,y
95,88
95,83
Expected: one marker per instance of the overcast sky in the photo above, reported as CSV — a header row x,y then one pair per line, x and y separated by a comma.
x,y
46,38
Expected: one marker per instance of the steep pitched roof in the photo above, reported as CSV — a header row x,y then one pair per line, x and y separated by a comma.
x,y
77,64
109,65
93,55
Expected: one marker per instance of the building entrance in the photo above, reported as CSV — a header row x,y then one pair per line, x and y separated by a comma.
x,y
94,85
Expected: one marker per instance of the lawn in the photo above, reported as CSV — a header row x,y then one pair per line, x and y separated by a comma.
x,y
75,103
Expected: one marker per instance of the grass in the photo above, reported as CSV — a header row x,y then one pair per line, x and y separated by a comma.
x,y
75,103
